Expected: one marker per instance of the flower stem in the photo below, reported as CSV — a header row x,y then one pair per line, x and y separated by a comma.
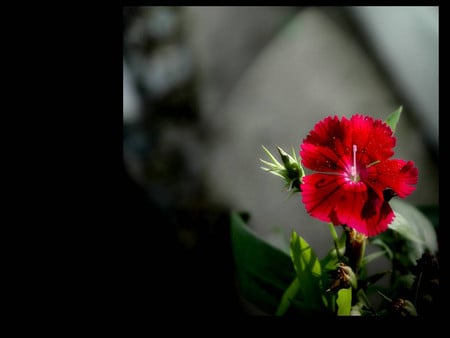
x,y
355,248
333,232
335,238
361,257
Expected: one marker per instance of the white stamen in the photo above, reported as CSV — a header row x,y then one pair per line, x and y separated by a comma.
x,y
353,168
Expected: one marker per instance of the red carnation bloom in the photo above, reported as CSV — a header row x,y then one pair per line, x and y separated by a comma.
x,y
354,176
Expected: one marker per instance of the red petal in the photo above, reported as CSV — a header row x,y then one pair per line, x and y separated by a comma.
x,y
372,137
349,203
319,194
320,158
376,215
332,198
324,147
398,175
325,132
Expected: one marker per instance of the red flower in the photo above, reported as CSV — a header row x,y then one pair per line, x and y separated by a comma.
x,y
355,176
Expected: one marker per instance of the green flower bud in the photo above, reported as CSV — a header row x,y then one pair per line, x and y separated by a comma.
x,y
290,169
355,247
403,307
344,277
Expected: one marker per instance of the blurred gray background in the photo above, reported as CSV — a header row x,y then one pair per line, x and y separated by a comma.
x,y
205,87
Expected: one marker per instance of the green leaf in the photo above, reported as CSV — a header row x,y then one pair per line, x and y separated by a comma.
x,y
372,279
263,271
303,257
356,310
308,270
344,302
412,224
369,258
393,118
363,299
380,243
288,297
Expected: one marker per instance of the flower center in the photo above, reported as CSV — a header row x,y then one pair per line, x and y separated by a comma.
x,y
353,171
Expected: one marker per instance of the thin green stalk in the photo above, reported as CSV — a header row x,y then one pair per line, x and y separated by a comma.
x,y
361,258
335,238
333,232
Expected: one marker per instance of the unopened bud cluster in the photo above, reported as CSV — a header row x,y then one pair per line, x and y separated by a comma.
x,y
289,169
344,277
